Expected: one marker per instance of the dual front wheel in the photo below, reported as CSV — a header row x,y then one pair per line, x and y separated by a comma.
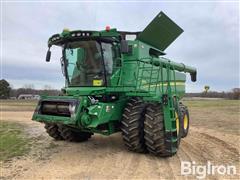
x,y
143,128
61,132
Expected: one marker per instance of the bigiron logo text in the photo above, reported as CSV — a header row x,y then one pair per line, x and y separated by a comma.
x,y
201,171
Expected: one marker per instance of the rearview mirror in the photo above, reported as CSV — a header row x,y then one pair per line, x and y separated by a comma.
x,y
124,47
194,77
48,56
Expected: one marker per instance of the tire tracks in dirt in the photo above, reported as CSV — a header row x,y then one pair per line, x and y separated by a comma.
x,y
223,143
212,148
107,158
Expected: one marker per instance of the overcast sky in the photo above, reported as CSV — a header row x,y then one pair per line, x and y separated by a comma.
x,y
210,41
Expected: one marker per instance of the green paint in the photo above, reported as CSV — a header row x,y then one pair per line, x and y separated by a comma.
x,y
96,70
167,32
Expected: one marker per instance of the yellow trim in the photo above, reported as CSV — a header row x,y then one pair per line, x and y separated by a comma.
x,y
177,122
165,84
185,122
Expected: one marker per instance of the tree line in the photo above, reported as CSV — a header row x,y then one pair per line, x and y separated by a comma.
x,y
233,94
7,92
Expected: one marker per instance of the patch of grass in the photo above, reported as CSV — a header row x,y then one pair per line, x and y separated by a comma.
x,y
212,103
52,146
18,105
220,115
18,102
12,140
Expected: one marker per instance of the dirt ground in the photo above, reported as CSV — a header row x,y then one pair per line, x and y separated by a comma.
x,y
214,137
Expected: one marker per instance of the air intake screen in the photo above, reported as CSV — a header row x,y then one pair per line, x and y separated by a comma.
x,y
55,108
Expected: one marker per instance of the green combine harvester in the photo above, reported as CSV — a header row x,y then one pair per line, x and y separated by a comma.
x,y
113,84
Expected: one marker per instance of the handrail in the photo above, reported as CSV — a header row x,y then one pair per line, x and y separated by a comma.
x,y
164,62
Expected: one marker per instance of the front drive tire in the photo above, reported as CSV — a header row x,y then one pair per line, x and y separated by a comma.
x,y
69,134
132,125
155,137
52,130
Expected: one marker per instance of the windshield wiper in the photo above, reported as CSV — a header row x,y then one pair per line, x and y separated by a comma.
x,y
65,64
103,63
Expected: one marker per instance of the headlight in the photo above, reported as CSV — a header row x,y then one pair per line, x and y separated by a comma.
x,y
72,108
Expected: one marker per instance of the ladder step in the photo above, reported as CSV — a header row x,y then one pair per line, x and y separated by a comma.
x,y
173,130
173,150
172,140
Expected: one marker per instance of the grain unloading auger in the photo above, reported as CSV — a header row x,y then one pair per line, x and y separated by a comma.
x,y
114,84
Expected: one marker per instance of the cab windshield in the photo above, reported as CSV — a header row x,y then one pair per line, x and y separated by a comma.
x,y
88,63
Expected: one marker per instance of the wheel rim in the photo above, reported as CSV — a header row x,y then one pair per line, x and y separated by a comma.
x,y
185,122
177,122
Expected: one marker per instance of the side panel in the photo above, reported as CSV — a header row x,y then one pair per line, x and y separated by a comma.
x,y
144,77
102,113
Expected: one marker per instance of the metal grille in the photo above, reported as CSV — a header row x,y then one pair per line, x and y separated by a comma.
x,y
55,108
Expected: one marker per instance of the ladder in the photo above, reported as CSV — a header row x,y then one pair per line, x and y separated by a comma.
x,y
170,108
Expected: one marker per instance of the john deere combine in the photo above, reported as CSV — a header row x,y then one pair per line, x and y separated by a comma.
x,y
114,84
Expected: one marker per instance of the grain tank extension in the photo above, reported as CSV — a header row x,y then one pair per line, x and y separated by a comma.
x,y
113,84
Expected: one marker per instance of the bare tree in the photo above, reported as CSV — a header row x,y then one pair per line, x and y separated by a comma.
x,y
47,87
28,86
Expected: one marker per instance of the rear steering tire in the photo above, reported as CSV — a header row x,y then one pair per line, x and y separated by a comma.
x,y
184,120
52,130
70,135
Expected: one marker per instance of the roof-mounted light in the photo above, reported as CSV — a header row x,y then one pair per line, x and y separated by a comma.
x,y
66,30
108,28
80,33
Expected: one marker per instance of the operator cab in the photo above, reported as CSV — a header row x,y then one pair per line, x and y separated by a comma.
x,y
88,63
87,60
